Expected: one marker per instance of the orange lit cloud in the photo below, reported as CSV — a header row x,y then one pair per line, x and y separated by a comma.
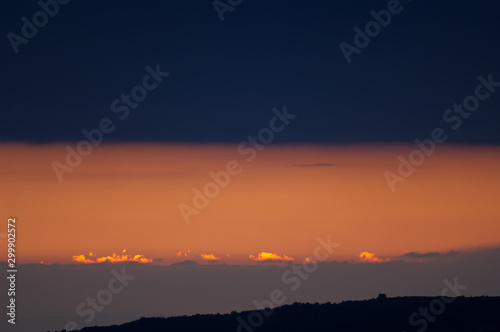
x,y
82,259
210,257
370,258
112,259
270,257
184,253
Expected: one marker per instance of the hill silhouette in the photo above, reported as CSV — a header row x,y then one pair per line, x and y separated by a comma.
x,y
381,314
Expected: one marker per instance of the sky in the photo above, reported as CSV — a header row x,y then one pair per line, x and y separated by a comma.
x,y
229,136
226,76
159,199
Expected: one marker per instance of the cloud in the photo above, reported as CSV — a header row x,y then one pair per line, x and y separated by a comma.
x,y
317,165
185,263
451,253
184,253
370,258
267,257
429,255
423,255
211,258
112,259
82,259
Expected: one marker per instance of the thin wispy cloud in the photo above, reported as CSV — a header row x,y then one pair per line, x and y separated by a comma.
x,y
429,255
332,165
421,255
320,165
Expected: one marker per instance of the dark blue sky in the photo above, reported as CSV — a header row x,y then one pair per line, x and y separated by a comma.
x,y
225,77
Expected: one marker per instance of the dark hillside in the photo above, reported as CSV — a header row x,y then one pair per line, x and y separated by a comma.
x,y
381,314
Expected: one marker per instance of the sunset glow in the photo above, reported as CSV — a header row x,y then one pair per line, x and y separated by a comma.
x,y
344,194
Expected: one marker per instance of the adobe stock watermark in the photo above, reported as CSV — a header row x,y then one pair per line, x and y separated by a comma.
x,y
437,306
294,277
372,29
120,106
29,29
248,148
427,147
88,309
221,7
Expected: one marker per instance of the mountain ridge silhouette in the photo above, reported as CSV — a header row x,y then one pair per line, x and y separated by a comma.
x,y
465,314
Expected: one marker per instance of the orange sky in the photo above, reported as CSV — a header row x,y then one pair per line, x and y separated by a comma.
x,y
127,196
